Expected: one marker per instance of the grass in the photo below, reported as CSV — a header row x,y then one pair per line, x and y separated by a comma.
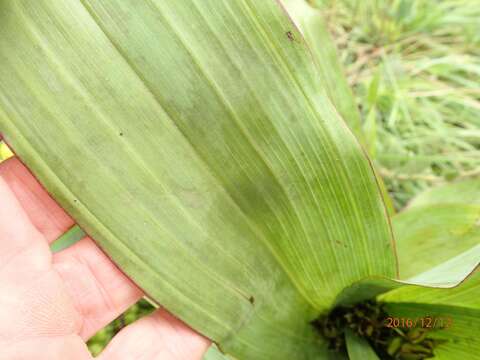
x,y
97,343
414,66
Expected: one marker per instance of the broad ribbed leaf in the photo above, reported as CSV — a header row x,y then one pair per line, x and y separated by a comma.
x,y
450,273
446,276
359,348
314,29
440,224
195,142
428,235
454,282
332,75
461,192
214,354
466,294
437,239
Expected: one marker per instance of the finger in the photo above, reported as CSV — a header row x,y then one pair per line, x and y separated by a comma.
x,y
59,348
44,213
17,234
100,291
159,336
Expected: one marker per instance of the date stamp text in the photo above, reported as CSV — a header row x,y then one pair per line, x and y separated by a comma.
x,y
424,322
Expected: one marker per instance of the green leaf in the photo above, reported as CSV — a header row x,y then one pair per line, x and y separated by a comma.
x,y
359,348
332,75
195,142
370,130
450,273
214,354
461,192
446,276
404,10
466,294
458,327
428,235
373,87
437,227
71,237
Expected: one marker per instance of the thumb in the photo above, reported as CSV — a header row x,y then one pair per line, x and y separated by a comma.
x,y
159,336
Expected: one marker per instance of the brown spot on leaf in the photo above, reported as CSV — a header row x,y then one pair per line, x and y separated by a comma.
x,y
341,244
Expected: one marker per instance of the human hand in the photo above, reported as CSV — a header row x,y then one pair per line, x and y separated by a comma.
x,y
50,304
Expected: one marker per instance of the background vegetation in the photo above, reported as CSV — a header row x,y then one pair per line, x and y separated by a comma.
x,y
414,66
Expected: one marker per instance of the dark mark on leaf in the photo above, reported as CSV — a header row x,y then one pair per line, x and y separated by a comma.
x,y
341,243
290,36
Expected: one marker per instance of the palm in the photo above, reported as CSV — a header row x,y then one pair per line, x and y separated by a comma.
x,y
51,304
